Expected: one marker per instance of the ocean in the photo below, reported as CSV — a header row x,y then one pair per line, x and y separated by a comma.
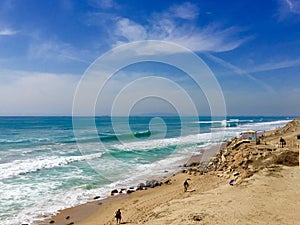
x,y
48,164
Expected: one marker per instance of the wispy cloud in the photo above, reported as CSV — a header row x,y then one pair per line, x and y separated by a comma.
x,y
185,11
177,24
55,50
166,26
250,73
103,4
130,30
294,6
288,8
290,4
7,32
211,38
226,64
275,66
238,71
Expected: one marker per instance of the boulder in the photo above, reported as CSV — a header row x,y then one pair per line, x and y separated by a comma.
x,y
152,183
123,190
168,181
141,186
130,191
115,191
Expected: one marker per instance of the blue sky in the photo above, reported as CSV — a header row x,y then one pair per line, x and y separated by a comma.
x,y
252,47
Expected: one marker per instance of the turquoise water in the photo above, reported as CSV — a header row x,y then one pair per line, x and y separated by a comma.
x,y
48,163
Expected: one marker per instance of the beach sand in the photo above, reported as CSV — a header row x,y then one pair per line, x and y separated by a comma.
x,y
266,190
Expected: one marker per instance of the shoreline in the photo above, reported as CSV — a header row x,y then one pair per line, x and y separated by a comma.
x,y
142,207
83,211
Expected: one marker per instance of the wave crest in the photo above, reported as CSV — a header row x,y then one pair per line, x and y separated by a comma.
x,y
22,167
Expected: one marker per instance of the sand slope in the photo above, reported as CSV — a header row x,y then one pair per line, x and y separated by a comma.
x,y
270,197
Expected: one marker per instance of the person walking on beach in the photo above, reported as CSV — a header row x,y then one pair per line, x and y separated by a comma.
x,y
118,216
185,185
282,142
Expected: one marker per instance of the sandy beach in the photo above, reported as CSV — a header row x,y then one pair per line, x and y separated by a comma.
x,y
170,112
265,190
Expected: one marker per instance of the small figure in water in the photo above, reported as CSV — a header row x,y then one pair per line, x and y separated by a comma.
x,y
186,185
118,216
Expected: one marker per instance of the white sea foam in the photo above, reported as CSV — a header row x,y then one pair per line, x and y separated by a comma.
x,y
23,140
46,203
262,126
21,167
223,121
208,122
161,143
273,124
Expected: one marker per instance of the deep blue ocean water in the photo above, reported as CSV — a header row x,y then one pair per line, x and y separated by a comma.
x,y
50,163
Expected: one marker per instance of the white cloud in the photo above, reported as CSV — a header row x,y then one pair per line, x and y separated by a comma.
x,y
31,93
211,38
7,32
165,26
130,30
185,11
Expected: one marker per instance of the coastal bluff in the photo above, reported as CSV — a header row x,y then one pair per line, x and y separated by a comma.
x,y
241,159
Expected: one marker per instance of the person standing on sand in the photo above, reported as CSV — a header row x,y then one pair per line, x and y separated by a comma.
x,y
118,216
185,185
282,142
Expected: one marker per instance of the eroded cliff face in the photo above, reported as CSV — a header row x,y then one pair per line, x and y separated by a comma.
x,y
241,158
